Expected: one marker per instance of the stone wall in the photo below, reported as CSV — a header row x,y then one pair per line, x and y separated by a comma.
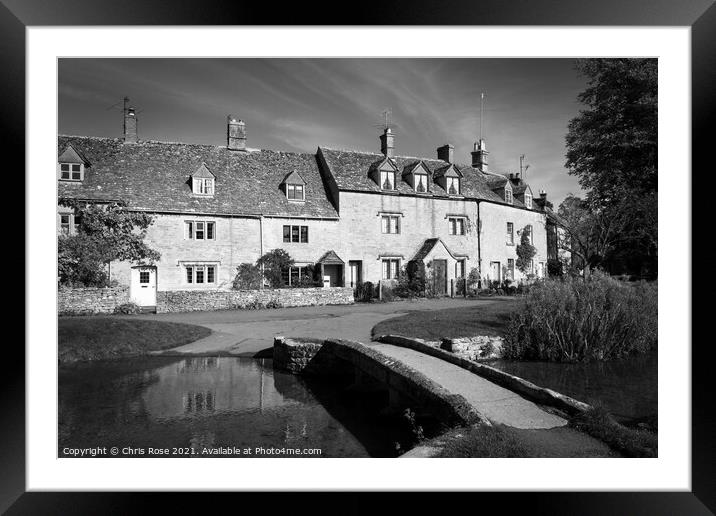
x,y
480,347
87,301
200,300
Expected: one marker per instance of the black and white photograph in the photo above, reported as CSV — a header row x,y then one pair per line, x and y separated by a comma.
x,y
357,257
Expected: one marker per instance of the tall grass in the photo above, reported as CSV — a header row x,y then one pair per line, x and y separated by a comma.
x,y
572,319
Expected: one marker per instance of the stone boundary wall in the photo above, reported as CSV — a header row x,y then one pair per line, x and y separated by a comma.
x,y
514,383
206,300
93,300
328,357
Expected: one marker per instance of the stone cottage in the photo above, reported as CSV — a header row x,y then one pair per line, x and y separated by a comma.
x,y
357,216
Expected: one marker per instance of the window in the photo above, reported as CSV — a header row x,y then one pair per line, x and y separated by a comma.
x,y
297,234
390,224
71,171
199,230
144,277
293,275
200,274
510,233
65,224
460,269
421,182
453,185
508,195
391,267
387,180
528,229
204,185
528,200
295,193
456,225
510,269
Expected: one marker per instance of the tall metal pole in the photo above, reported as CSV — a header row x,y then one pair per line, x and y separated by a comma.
x,y
482,97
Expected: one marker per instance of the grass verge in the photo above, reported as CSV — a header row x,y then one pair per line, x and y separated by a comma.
x,y
632,442
489,319
97,338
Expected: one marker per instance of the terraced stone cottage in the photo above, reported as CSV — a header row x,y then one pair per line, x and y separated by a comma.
x,y
359,216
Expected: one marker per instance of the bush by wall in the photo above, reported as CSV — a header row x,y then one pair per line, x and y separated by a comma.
x,y
573,320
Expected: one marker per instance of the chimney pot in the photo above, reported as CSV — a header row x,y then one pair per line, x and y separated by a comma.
x,y
479,156
445,153
235,134
387,142
130,126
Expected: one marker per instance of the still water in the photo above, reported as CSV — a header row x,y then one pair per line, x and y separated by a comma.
x,y
214,403
627,388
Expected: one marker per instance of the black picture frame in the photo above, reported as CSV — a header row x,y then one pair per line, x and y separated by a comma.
x,y
17,15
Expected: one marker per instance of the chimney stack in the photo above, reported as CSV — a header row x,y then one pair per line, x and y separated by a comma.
x,y
445,153
387,142
479,156
235,134
130,125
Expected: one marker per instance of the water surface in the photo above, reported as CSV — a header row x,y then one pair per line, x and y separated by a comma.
x,y
213,402
628,388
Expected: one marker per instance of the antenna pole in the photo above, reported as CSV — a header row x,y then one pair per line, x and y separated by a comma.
x,y
482,98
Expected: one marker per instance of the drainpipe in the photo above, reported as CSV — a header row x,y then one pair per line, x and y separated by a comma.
x,y
479,251
261,246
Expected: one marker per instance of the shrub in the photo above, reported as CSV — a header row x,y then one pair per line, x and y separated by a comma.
x,y
554,268
364,291
411,281
128,309
274,264
580,320
248,277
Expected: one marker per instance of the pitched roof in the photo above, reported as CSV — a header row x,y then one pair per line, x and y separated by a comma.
x,y
202,172
72,155
428,246
154,176
330,258
350,170
293,178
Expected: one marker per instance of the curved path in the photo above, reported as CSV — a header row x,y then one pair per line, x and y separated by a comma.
x,y
496,403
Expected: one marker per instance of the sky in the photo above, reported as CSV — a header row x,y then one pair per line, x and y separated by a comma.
x,y
298,105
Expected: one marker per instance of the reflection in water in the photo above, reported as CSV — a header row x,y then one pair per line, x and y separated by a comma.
x,y
628,388
200,402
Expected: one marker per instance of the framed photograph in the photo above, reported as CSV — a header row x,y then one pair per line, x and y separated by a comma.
x,y
431,237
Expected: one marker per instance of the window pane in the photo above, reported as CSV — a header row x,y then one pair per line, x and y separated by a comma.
x,y
144,277
294,233
64,167
189,274
76,175
75,168
190,230
200,231
290,191
461,226
285,276
210,186
384,224
287,233
209,230
210,274
394,265
394,224
386,269
299,192
304,234
200,274
295,276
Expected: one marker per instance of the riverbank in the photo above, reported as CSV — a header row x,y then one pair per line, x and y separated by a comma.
x,y
98,338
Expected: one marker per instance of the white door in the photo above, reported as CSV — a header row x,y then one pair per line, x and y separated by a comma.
x,y
144,286
495,271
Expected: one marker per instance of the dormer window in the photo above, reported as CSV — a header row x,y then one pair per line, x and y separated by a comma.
x,y
71,171
528,200
294,186
421,183
204,186
387,180
453,185
508,195
295,193
71,165
202,181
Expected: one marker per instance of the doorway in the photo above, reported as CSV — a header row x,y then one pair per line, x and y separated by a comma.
x,y
440,277
143,289
355,272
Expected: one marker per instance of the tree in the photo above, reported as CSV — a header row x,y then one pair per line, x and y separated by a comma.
x,y
248,277
612,149
106,233
273,264
525,251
